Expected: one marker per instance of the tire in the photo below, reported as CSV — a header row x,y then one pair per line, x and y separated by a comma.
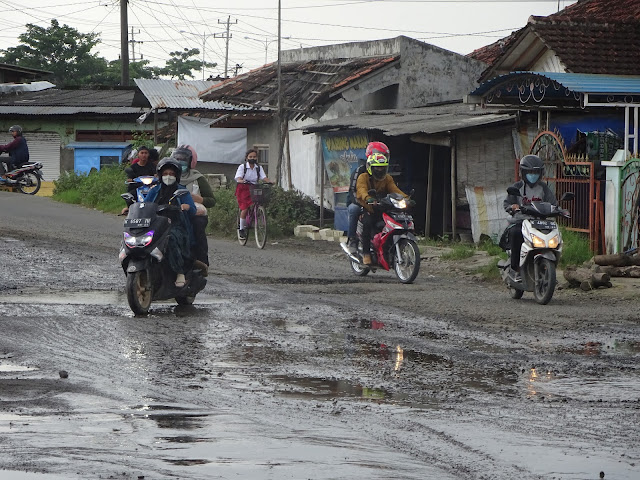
x,y
515,293
241,241
359,269
545,281
185,300
139,292
29,183
261,227
407,264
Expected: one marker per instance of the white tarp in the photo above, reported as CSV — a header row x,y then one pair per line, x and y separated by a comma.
x,y
487,215
221,145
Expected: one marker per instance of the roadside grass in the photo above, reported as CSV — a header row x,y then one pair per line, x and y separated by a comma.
x,y
99,189
576,249
459,252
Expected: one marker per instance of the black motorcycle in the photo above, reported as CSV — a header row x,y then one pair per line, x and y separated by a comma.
x,y
143,256
27,178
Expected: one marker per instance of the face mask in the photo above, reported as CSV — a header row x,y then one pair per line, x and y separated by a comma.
x,y
168,179
252,161
532,178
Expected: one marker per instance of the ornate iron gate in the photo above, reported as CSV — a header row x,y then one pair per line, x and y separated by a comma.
x,y
630,205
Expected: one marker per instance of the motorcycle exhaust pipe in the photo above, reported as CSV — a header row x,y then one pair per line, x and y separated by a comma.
x,y
349,254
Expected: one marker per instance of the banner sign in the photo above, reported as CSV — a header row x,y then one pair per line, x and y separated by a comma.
x,y
341,152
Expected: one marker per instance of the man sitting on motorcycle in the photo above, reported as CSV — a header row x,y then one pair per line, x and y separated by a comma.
x,y
17,149
531,188
375,178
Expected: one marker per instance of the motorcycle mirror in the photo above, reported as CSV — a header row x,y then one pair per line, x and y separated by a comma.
x,y
513,191
128,198
128,171
568,196
413,190
181,192
372,192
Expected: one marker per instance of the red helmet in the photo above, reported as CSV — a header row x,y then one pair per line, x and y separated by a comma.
x,y
378,147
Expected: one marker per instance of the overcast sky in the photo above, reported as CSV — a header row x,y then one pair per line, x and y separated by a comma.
x,y
459,26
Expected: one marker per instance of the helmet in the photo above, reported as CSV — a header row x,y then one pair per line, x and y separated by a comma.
x,y
377,165
172,162
377,147
531,169
16,128
187,156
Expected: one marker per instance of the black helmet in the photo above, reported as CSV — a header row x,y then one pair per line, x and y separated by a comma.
x,y
16,128
184,156
173,163
534,167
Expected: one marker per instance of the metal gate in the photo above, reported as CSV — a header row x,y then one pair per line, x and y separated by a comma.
x,y
630,205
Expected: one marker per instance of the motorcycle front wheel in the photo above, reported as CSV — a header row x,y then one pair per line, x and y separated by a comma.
x,y
29,183
545,281
139,292
261,227
407,261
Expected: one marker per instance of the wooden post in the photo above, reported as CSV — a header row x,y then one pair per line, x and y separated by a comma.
x,y
155,127
453,187
427,220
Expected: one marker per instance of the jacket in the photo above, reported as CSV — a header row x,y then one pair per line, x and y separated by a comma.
x,y
382,187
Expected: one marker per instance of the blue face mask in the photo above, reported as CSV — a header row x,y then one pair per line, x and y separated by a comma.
x,y
532,178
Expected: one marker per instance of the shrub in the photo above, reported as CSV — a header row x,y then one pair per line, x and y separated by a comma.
x,y
576,249
98,189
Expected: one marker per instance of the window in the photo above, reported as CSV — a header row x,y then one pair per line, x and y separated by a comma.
x,y
109,160
263,154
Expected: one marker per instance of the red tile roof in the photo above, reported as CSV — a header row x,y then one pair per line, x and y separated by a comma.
x,y
598,11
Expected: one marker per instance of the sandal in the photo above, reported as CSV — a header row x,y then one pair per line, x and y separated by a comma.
x,y
180,280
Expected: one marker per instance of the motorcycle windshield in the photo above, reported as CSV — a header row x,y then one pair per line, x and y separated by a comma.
x,y
143,210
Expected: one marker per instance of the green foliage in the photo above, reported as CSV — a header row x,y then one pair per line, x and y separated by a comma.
x,y
491,248
141,139
490,271
288,208
181,64
459,252
222,216
62,50
99,189
575,249
112,75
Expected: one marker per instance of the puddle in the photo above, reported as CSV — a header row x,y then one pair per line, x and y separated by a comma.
x,y
174,417
14,475
613,347
15,368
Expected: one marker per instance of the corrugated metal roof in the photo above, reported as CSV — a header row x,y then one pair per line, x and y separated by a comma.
x,y
55,110
576,82
181,94
98,145
427,120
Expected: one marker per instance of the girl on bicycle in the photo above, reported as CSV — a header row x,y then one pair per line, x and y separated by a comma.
x,y
249,172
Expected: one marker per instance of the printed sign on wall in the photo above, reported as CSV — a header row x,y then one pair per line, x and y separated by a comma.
x,y
341,152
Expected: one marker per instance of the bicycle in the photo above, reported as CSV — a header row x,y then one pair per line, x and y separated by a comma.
x,y
256,215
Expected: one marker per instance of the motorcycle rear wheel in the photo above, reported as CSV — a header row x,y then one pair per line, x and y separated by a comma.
x,y
407,261
139,292
359,269
545,281
29,183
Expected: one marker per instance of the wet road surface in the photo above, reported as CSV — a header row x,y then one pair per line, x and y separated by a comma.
x,y
281,370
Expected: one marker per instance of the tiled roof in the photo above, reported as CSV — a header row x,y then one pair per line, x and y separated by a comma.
x,y
583,35
585,47
304,84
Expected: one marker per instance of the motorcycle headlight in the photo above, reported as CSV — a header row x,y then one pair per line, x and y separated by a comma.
x,y
399,203
129,240
553,243
147,180
141,241
537,241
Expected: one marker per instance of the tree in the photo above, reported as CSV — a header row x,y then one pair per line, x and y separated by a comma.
x,y
112,75
181,64
62,50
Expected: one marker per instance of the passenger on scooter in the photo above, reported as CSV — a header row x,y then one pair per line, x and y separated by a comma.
x,y
142,167
532,188
181,235
202,195
353,207
17,149
376,178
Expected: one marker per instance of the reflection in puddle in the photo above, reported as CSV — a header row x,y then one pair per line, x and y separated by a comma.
x,y
15,368
175,417
613,347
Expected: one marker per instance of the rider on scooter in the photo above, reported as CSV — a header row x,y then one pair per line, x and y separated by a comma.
x,y
531,188
17,149
376,178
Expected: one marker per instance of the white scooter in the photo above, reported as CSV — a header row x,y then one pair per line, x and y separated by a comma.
x,y
540,251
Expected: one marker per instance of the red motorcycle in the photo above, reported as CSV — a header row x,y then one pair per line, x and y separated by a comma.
x,y
26,178
395,246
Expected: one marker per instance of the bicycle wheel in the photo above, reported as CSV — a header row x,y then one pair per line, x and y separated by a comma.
x,y
261,226
241,240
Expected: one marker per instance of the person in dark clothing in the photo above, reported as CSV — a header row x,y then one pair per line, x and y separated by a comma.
x,y
17,149
532,188
141,167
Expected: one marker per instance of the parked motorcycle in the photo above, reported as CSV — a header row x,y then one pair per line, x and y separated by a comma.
x,y
540,251
143,256
27,178
395,246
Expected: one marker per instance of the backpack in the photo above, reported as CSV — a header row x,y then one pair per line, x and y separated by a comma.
x,y
351,196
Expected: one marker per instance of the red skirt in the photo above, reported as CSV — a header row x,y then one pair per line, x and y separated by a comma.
x,y
243,195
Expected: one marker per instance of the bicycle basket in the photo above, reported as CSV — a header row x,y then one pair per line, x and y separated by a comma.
x,y
260,193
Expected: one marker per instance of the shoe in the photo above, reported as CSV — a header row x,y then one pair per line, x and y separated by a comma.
x,y
515,276
242,233
203,267
366,259
353,246
180,280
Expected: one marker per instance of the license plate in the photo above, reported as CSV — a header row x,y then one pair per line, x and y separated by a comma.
x,y
137,222
544,224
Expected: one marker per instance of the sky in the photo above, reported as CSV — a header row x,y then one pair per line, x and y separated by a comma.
x,y
158,27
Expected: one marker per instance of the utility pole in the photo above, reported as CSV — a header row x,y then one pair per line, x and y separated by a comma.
x,y
226,35
124,47
133,42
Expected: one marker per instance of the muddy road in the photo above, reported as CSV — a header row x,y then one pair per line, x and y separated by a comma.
x,y
288,366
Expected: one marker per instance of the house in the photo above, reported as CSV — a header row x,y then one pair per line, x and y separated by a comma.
x,y
334,82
